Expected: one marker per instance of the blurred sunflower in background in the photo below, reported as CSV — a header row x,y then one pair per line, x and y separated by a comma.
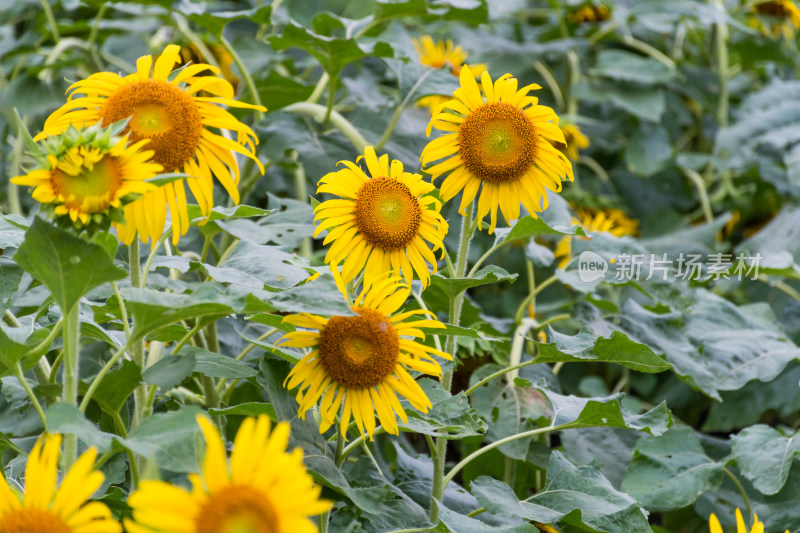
x,y
589,12
263,488
362,362
716,527
613,221
574,141
88,175
501,145
776,18
165,109
437,54
46,508
380,223
191,54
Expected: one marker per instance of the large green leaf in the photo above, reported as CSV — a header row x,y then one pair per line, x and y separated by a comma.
x,y
320,297
453,286
765,456
621,65
576,495
451,416
17,345
169,438
586,346
670,471
117,386
72,267
65,419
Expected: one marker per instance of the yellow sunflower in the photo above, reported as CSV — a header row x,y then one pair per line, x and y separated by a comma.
x,y
437,54
502,143
380,221
265,488
588,13
47,509
776,18
166,110
362,361
612,221
574,139
89,173
758,527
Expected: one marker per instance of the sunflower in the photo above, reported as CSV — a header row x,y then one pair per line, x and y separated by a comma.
x,y
166,110
758,527
87,174
574,140
47,509
502,143
612,221
362,361
380,222
437,54
589,13
265,489
776,18
192,54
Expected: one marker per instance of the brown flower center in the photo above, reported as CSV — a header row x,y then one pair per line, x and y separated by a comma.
x,y
387,214
237,509
358,352
33,521
497,142
161,112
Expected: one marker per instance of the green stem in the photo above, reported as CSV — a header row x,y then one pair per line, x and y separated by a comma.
x,y
331,99
51,20
645,48
93,36
71,338
152,255
722,64
318,113
437,486
697,179
477,453
123,313
545,73
399,110
741,489
191,333
497,374
532,296
319,88
24,382
103,371
14,204
122,432
301,192
251,86
137,346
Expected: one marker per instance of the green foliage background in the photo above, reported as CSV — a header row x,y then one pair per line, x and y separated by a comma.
x,y
651,404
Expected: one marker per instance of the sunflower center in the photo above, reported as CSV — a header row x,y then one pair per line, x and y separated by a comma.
x,y
161,112
87,179
358,352
33,521
775,9
387,214
497,142
237,509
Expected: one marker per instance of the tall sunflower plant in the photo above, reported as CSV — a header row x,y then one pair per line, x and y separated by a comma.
x,y
389,282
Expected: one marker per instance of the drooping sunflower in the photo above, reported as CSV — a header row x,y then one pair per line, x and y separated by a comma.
x,y
776,18
361,362
574,139
613,221
165,109
264,489
501,145
715,527
380,221
437,54
47,509
589,12
89,173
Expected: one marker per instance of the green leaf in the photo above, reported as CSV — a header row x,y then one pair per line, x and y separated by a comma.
x,y
266,265
169,372
765,455
454,286
576,495
649,150
10,277
169,438
117,386
451,416
65,419
225,213
12,231
646,103
246,409
586,346
216,21
529,226
73,266
17,344
458,523
671,471
575,412
319,297
626,66
216,365
273,321
450,330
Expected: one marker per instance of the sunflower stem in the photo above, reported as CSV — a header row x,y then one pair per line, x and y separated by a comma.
x,y
438,484
36,405
251,86
739,486
318,112
399,110
71,338
697,179
137,347
51,20
331,99
319,88
14,204
301,192
93,36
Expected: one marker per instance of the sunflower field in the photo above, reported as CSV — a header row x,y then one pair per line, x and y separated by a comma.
x,y
399,266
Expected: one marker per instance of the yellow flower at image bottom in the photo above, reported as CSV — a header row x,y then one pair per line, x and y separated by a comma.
x,y
380,223
361,363
47,509
500,146
164,108
264,489
715,527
